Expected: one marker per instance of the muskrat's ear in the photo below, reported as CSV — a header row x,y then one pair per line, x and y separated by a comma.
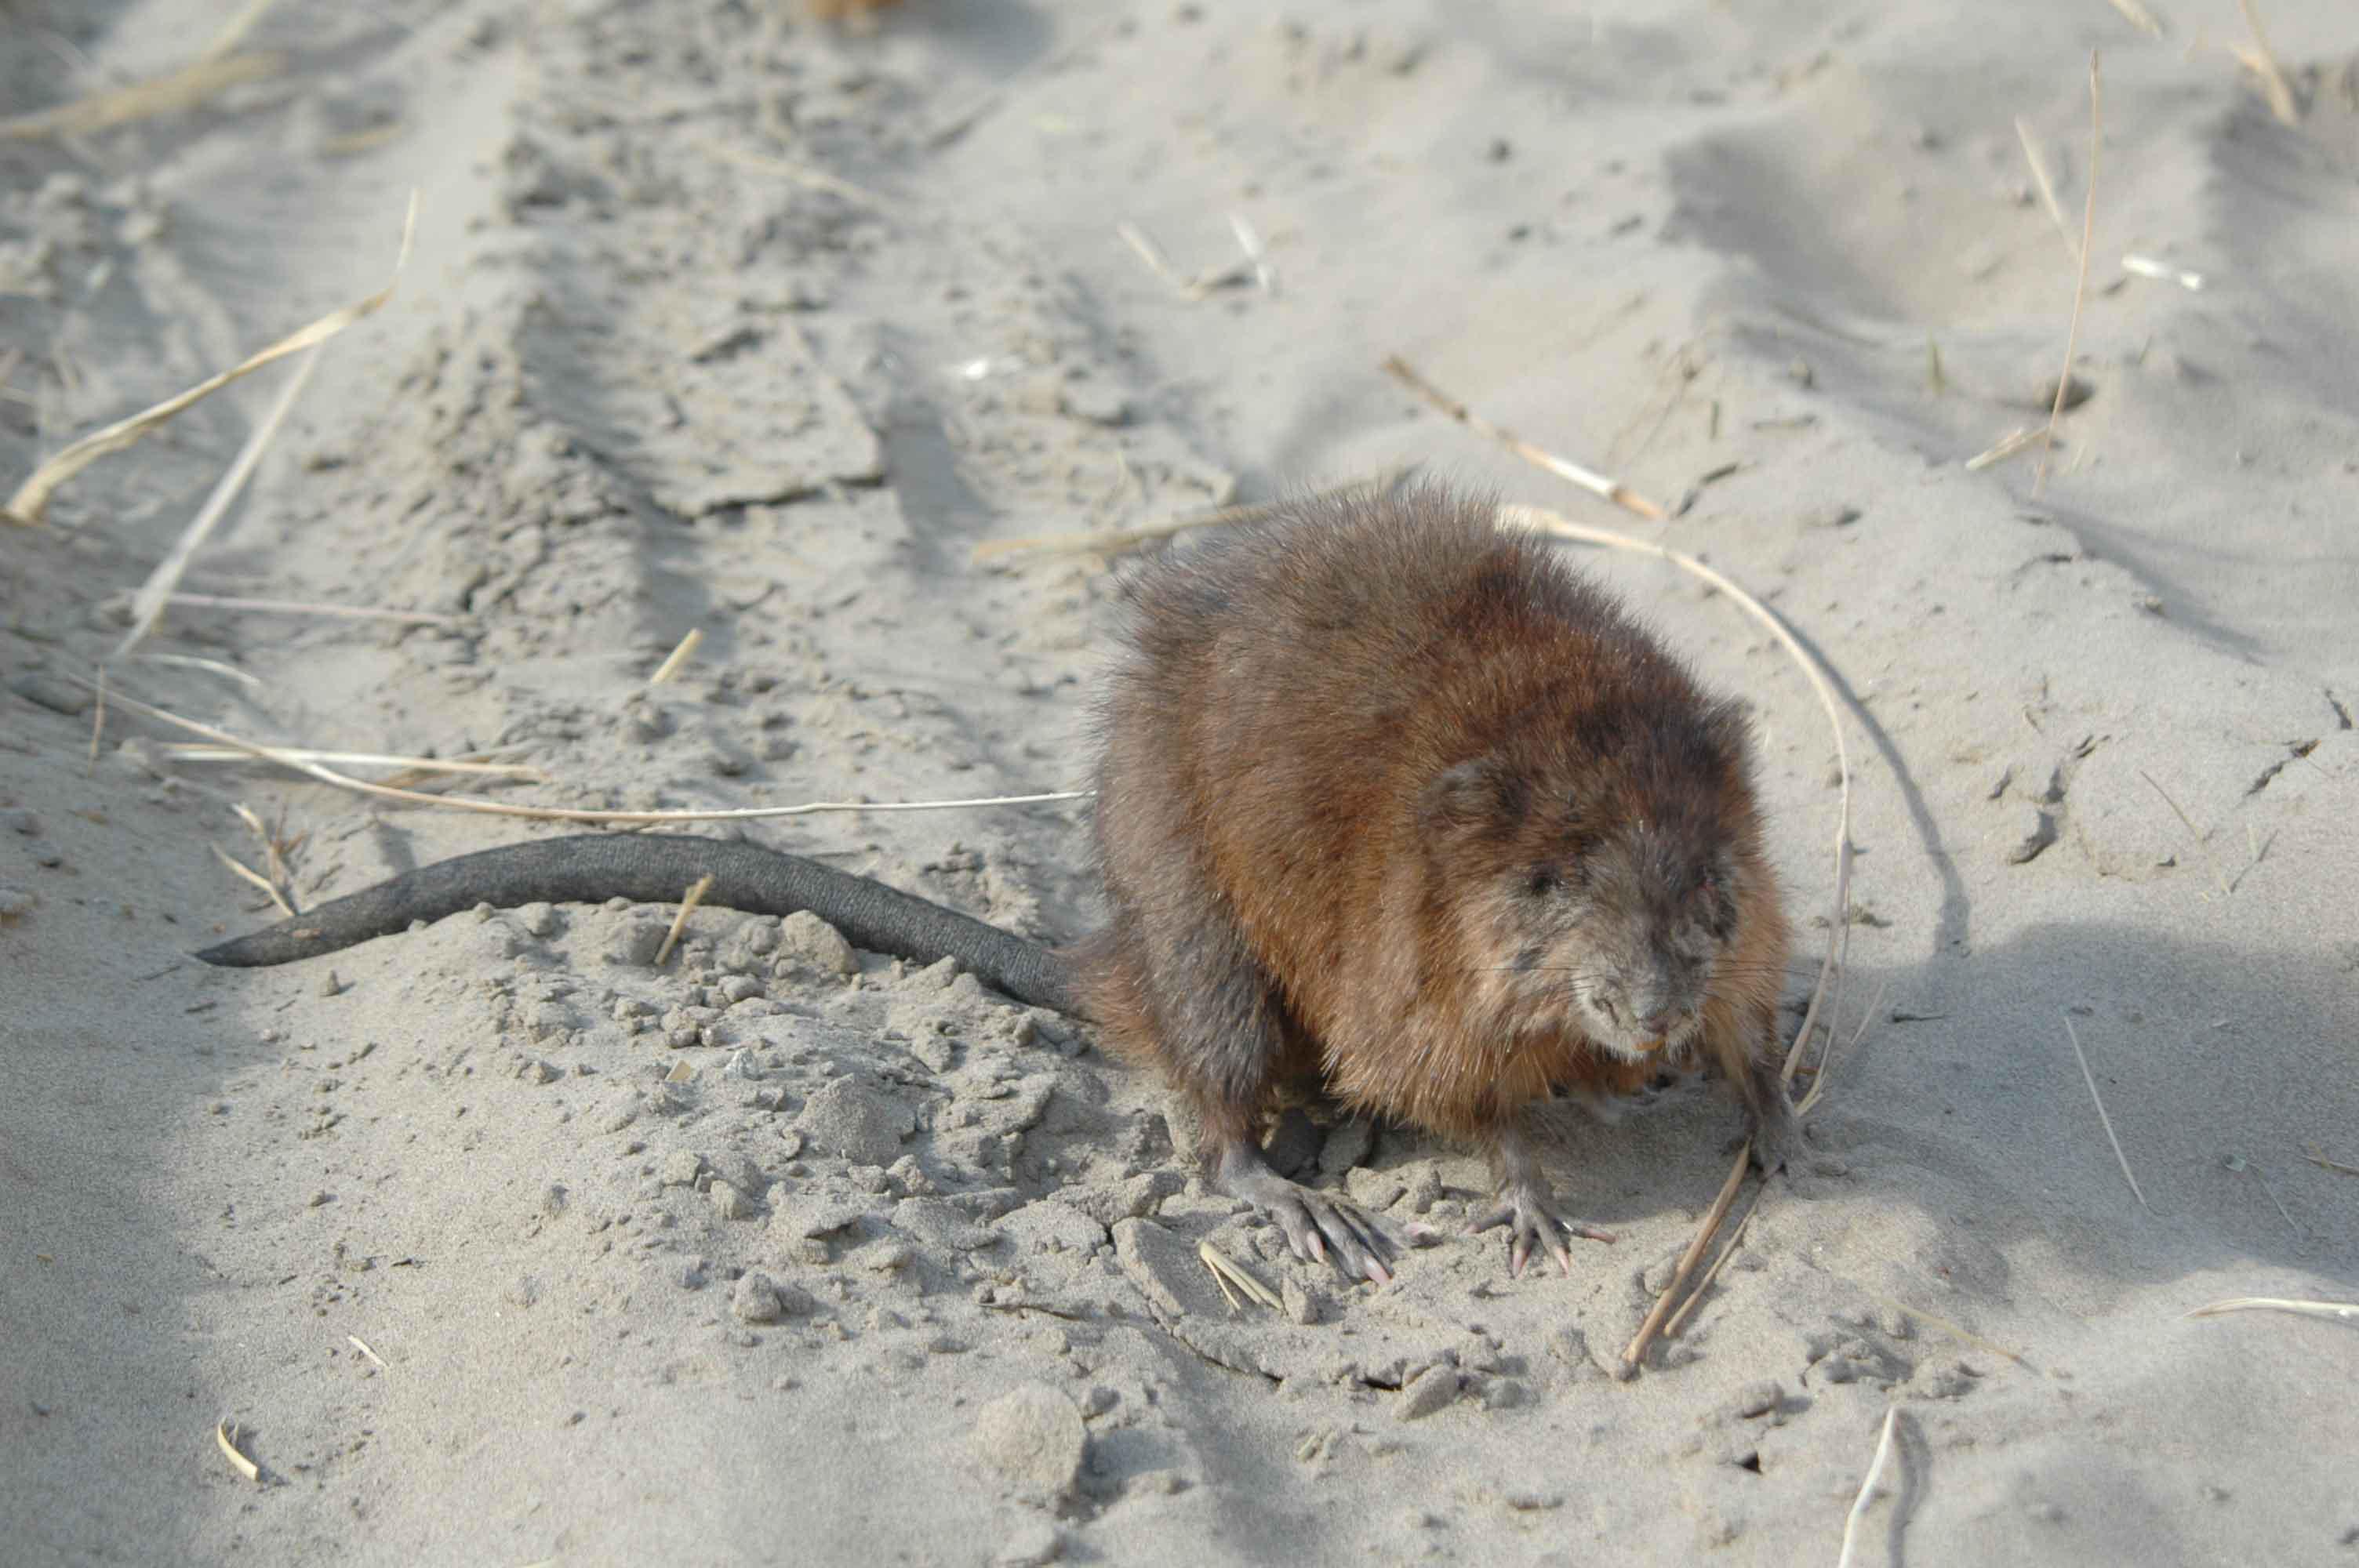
x,y
1485,794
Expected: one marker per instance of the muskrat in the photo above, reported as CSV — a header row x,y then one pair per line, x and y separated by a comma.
x,y
1387,797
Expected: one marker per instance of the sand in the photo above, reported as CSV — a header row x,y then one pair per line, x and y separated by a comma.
x,y
498,1244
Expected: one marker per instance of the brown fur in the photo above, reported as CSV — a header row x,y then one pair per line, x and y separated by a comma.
x,y
1342,757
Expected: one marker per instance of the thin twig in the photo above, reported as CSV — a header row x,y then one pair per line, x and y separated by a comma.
x,y
689,901
147,605
2138,16
2106,1122
356,1343
563,814
1596,483
2080,285
32,497
1867,1487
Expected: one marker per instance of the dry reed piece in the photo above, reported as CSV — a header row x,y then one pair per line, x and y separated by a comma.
x,y
149,604
1867,1487
249,874
1191,289
2135,13
1590,480
477,804
2081,284
689,901
356,1342
32,497
2005,446
2338,1311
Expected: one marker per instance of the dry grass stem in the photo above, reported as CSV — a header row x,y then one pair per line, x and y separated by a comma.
x,y
689,901
2005,446
1679,1320
354,1341
2081,284
257,878
678,657
800,173
1596,483
1826,1058
1121,541
147,605
2316,1157
2262,62
1191,289
2106,1122
225,1435
302,607
195,752
1234,1278
1867,1487
2138,16
2341,1312
171,93
2046,183
1958,1331
1653,1326
2163,272
97,725
32,498
211,666
477,804
2202,843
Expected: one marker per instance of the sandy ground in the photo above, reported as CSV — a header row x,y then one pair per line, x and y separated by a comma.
x,y
752,1258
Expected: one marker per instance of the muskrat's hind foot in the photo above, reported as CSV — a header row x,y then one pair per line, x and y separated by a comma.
x,y
1527,1208
1312,1222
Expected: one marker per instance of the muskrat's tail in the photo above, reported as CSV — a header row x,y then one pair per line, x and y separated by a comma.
x,y
651,868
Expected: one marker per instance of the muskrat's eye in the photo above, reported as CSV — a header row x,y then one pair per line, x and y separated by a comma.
x,y
1542,881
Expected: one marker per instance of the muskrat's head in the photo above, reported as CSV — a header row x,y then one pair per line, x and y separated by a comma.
x,y
1593,870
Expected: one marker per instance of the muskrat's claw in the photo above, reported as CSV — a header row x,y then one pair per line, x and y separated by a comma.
x,y
1530,1215
1312,1222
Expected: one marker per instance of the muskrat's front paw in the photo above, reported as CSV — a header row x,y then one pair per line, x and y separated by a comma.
x,y
1529,1214
1777,1136
1314,1223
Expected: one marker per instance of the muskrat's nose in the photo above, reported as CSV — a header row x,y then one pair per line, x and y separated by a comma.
x,y
1657,1024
